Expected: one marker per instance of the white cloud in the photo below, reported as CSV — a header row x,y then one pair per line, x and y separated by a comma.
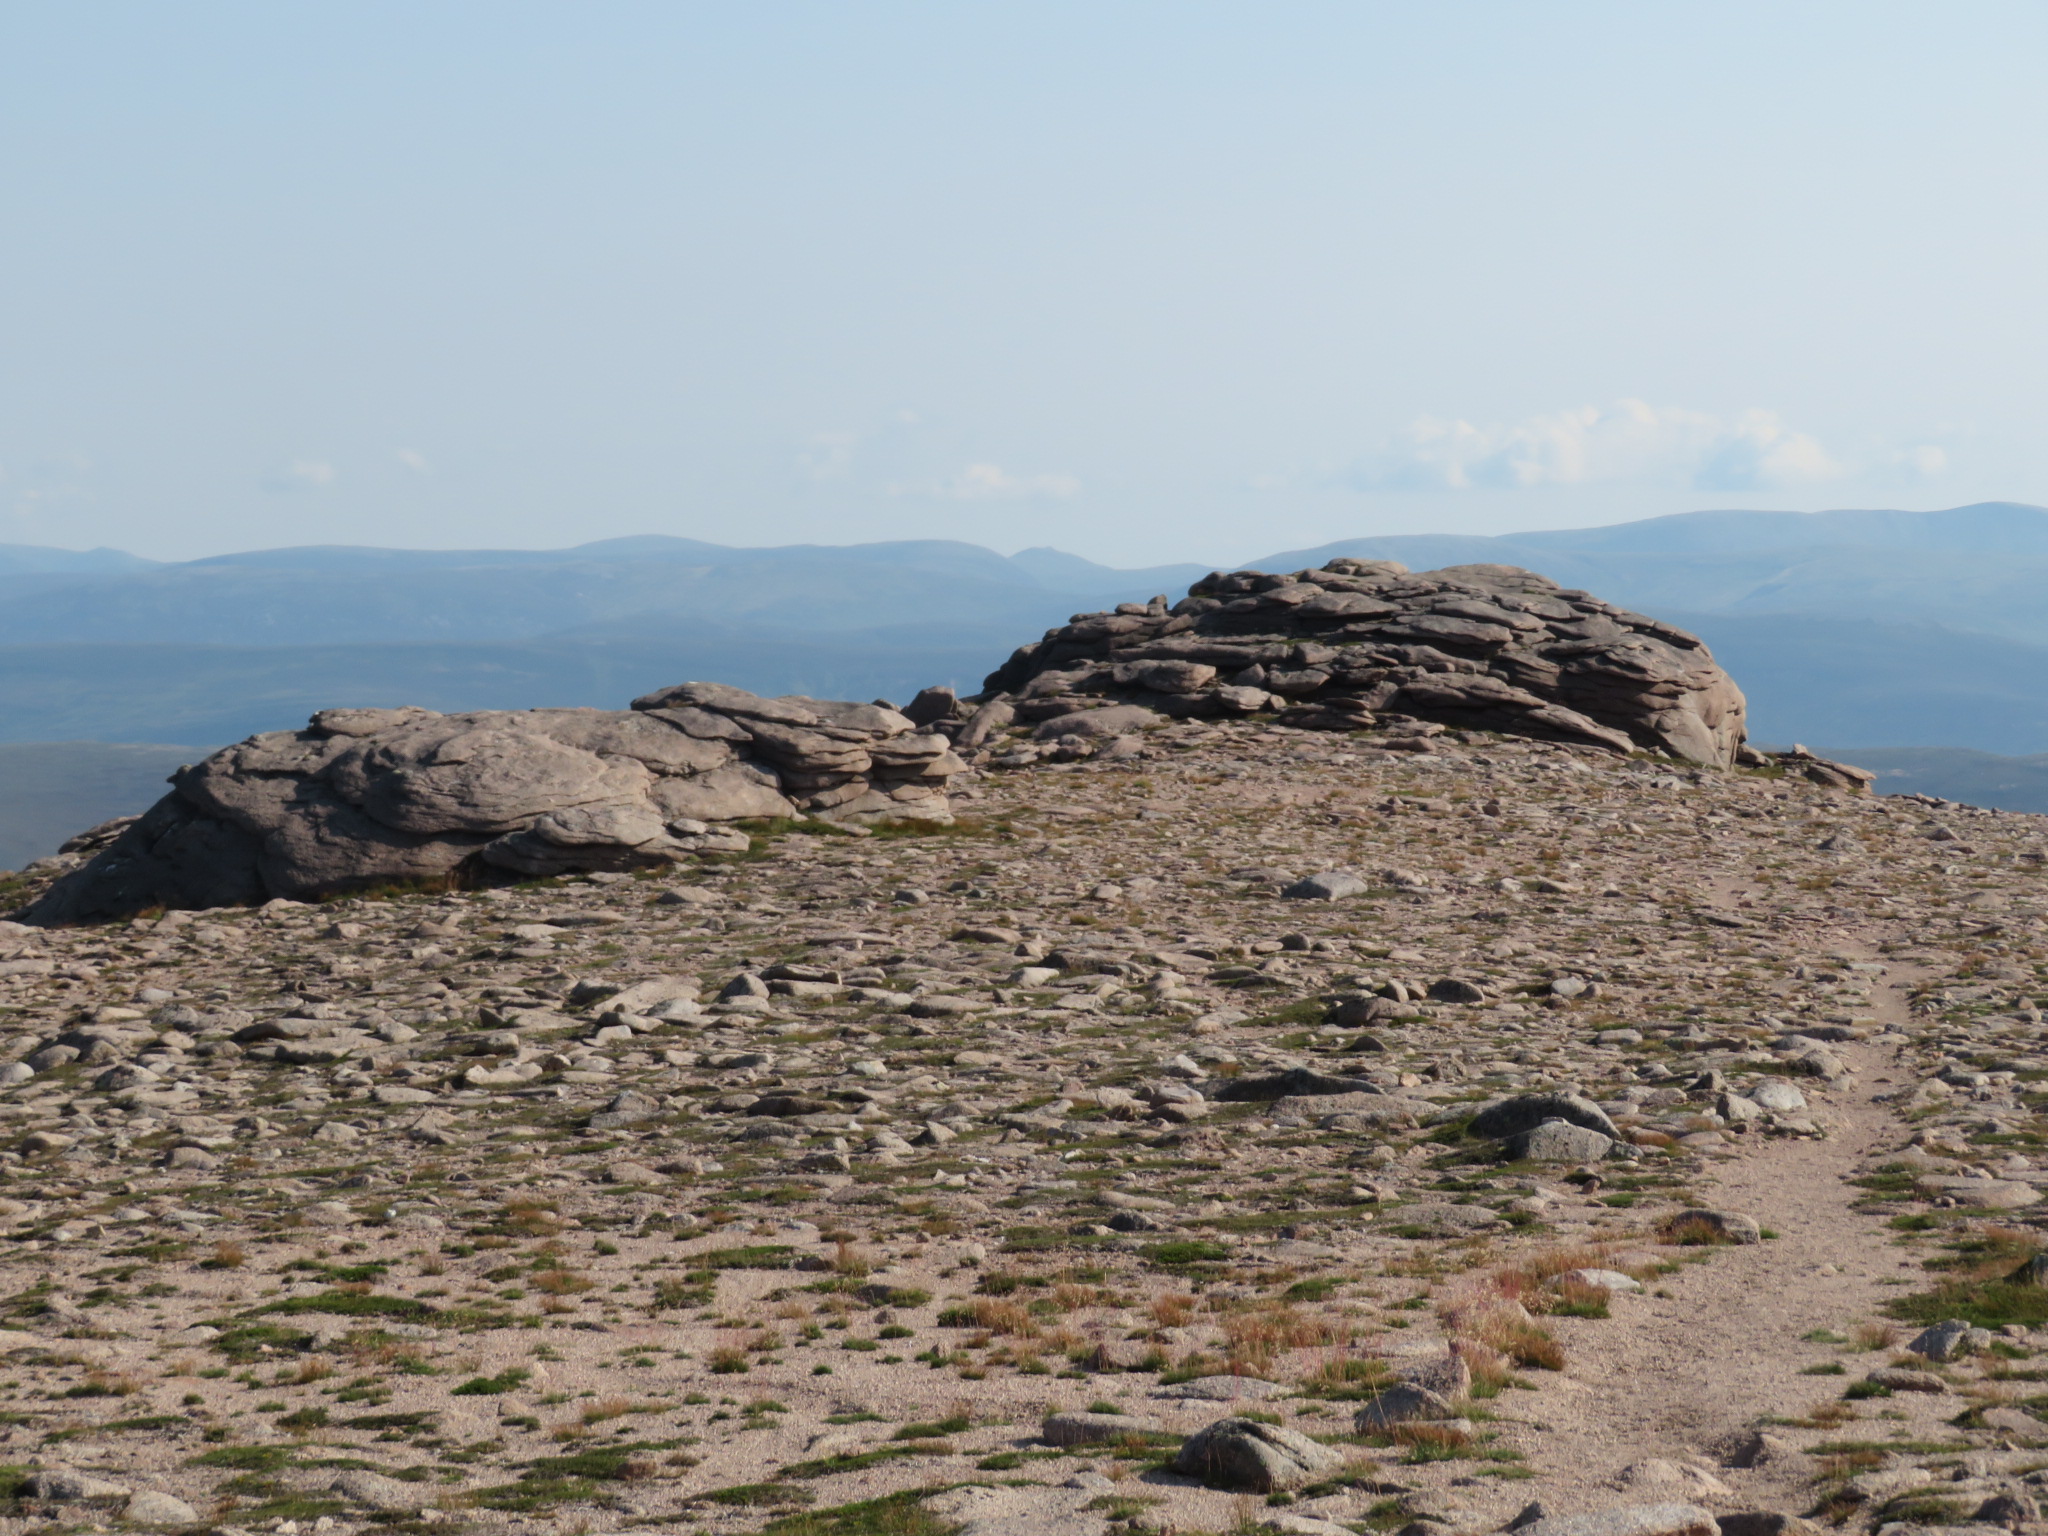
x,y
1924,459
991,482
829,455
415,461
302,475
1629,440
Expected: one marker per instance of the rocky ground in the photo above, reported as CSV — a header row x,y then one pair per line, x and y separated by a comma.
x,y
929,1178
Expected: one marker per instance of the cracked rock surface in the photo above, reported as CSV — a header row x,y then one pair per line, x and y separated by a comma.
x,y
1490,646
363,797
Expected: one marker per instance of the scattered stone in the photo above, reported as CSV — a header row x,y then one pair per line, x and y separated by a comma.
x,y
1246,1455
149,1507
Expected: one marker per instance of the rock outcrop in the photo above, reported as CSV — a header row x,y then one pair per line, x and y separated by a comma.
x,y
366,797
1492,647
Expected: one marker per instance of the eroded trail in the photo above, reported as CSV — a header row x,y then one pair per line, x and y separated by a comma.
x,y
1685,1371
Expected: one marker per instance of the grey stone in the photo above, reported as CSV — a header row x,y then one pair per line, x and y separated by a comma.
x,y
1246,1455
1946,1340
1777,1096
150,1507
1731,1226
1330,885
1454,989
362,797
1507,1117
1401,1405
1112,720
1899,1379
1520,661
373,1490
1558,1141
1630,1520
1606,1279
65,1485
1220,1389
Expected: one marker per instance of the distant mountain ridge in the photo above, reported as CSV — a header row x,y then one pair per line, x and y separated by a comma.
x,y
1915,629
345,595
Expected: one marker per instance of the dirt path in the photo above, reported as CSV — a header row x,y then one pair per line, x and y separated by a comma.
x,y
1679,1376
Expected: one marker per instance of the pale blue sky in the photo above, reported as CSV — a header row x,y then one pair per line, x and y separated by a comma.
x,y
1147,281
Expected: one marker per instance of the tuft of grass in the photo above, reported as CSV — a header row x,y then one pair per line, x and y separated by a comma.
x,y
896,1514
492,1386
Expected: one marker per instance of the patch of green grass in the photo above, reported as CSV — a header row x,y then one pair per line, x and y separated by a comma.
x,y
896,1514
957,1425
1983,1303
753,1495
851,1461
1186,1251
348,1304
492,1386
389,1421
247,1458
756,1256
1311,1290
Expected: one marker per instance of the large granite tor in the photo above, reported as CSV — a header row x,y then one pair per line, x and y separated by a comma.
x,y
363,797
1493,647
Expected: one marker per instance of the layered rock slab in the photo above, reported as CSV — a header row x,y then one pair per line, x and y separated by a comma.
x,y
1484,646
365,797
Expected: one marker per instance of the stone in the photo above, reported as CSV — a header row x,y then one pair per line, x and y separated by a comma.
x,y
1728,1226
1630,1520
1605,1279
1247,1456
1221,1389
64,1485
149,1507
1330,885
1506,655
1557,1141
1401,1405
1114,720
1777,1096
373,1490
1948,1340
1508,1117
366,797
1453,989
1985,1194
1766,1522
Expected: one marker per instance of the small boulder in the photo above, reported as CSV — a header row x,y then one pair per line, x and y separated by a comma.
x,y
1454,989
1606,1279
1724,1226
1630,1520
1777,1096
1508,1117
152,1508
1949,1340
1558,1141
373,1490
65,1485
1330,885
1244,1455
1401,1404
1220,1389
